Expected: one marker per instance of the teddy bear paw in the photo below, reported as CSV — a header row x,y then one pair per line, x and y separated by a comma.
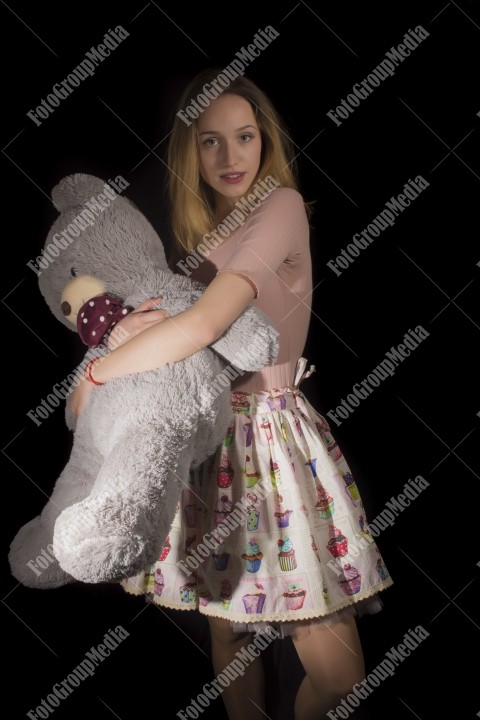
x,y
93,552
32,559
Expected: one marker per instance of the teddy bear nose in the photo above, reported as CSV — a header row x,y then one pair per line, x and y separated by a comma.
x,y
66,308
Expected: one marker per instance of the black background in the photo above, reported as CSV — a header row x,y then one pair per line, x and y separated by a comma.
x,y
423,271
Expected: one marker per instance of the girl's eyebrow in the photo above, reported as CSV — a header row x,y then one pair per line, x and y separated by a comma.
x,y
217,132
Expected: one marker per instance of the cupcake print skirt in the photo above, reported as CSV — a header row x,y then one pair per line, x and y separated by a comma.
x,y
271,528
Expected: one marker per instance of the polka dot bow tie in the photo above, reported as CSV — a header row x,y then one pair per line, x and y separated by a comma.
x,y
97,318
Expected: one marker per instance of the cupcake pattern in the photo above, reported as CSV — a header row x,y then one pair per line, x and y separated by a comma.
x,y
297,545
253,514
226,593
382,569
325,504
254,600
220,557
229,436
350,580
158,582
223,509
274,473
225,473
338,543
240,403
250,472
351,486
252,556
282,514
204,595
286,555
188,593
165,549
283,518
329,441
294,596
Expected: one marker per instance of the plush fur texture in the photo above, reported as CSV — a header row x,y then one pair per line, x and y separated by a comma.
x,y
112,506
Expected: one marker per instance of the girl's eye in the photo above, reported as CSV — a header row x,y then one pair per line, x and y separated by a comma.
x,y
247,136
208,141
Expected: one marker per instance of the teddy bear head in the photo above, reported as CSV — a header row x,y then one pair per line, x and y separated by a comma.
x,y
100,243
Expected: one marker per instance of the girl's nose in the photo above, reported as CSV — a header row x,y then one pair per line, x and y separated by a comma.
x,y
230,154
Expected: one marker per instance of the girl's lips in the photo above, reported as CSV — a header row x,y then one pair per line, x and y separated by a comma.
x,y
233,177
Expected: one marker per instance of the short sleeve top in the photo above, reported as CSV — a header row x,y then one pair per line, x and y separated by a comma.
x,y
272,251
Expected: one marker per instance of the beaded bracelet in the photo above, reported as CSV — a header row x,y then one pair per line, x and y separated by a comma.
x,y
88,372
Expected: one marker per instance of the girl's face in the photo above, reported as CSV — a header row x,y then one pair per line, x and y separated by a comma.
x,y
229,148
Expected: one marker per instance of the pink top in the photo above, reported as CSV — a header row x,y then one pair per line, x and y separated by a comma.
x,y
272,250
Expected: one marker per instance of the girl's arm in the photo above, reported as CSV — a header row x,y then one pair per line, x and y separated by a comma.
x,y
174,338
178,337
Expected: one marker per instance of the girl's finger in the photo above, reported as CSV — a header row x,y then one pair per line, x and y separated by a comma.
x,y
155,316
148,304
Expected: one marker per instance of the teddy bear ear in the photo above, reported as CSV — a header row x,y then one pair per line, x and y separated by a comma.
x,y
75,190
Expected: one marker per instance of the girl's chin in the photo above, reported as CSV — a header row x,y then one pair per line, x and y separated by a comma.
x,y
233,191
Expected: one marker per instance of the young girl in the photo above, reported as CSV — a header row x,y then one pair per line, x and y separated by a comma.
x,y
298,557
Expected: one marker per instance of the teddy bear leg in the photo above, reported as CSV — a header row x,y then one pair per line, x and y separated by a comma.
x,y
31,556
119,529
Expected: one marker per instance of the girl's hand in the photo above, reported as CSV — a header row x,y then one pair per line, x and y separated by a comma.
x,y
139,319
131,325
80,396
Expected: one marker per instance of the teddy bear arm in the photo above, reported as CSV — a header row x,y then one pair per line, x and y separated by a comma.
x,y
35,539
250,343
119,529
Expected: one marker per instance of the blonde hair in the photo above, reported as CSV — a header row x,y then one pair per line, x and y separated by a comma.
x,y
191,199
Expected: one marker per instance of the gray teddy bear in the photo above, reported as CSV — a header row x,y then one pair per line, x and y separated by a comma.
x,y
141,434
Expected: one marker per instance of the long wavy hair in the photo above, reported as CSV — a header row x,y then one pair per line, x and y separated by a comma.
x,y
192,202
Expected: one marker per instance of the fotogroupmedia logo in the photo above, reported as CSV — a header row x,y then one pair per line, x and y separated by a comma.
x,y
81,72
236,218
381,72
386,518
384,670
234,69
61,690
94,207
236,668
361,390
385,219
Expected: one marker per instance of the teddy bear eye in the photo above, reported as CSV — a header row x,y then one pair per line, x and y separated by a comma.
x,y
73,272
